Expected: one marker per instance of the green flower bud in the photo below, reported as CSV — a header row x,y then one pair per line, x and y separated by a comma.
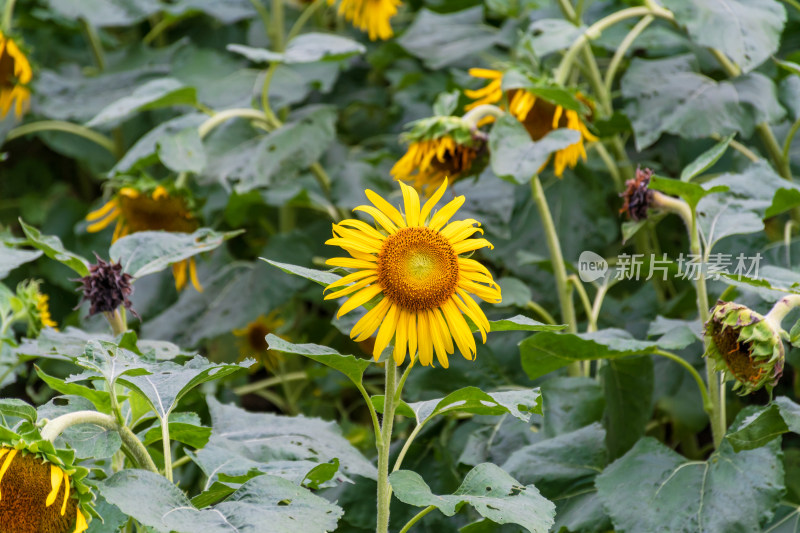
x,y
745,346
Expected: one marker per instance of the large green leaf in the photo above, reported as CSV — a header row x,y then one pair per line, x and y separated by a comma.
x,y
489,490
349,365
705,160
145,151
728,492
628,389
264,504
690,192
148,252
570,404
766,424
164,92
547,351
519,404
306,48
52,248
747,31
319,277
183,151
669,96
516,157
523,323
11,258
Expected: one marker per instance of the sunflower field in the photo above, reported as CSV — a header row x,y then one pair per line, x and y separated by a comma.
x,y
303,266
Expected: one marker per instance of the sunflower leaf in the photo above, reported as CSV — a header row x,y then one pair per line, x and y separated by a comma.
x,y
705,160
306,48
52,248
148,252
154,94
320,277
489,490
766,424
523,323
11,258
349,365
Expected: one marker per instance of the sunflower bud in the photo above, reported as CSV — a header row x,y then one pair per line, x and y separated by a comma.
x,y
36,309
745,345
637,197
106,287
37,493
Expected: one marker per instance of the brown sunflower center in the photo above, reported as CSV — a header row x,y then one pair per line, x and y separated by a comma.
x,y
737,356
23,494
455,162
7,77
417,269
143,213
256,336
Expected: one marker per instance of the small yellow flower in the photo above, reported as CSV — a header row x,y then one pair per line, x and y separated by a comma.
x,y
371,16
15,75
36,308
412,264
44,312
539,116
35,495
253,342
135,210
440,147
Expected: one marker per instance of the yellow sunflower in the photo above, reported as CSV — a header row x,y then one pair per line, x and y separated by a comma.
x,y
253,342
411,263
35,495
371,16
539,116
440,147
15,74
135,210
36,307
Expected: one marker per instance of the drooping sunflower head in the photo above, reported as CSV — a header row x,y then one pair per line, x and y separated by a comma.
x,y
370,16
410,266
41,490
439,148
106,287
253,342
35,306
539,115
146,206
745,345
637,197
15,75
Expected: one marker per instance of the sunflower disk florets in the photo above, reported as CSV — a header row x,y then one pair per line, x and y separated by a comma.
x,y
106,287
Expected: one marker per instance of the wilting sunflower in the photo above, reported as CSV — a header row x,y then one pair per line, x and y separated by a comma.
x,y
15,75
439,148
36,307
371,16
139,210
253,342
538,115
745,345
411,265
36,494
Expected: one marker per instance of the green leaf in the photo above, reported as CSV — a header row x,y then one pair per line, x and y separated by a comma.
x,y
319,277
690,192
109,361
706,160
442,39
105,12
18,409
674,494
489,490
183,427
765,424
523,323
548,351
147,252
628,389
183,151
164,92
11,258
306,48
100,399
349,365
264,504
747,31
545,36
321,473
570,404
514,156
92,441
669,96
52,248
145,151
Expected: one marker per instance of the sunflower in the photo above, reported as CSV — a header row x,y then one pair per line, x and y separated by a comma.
x,y
253,342
35,495
412,266
15,74
371,16
137,210
36,307
538,115
439,148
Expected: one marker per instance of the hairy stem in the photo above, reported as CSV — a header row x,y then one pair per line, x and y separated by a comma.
x,y
384,489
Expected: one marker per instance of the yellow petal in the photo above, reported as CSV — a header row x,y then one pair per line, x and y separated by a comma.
x,y
411,201
80,523
193,275
446,213
386,332
66,494
386,208
56,476
6,463
351,289
347,262
350,278
401,338
385,222
179,272
103,211
359,298
432,201
471,245
368,323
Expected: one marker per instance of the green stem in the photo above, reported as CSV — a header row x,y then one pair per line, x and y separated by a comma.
x,y
474,115
376,427
8,15
223,116
541,311
263,13
416,518
117,321
622,49
584,296
269,382
787,144
384,489
775,153
68,127
707,404
58,425
274,120
276,26
94,43
781,309
557,261
303,18
610,164
399,462
167,447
